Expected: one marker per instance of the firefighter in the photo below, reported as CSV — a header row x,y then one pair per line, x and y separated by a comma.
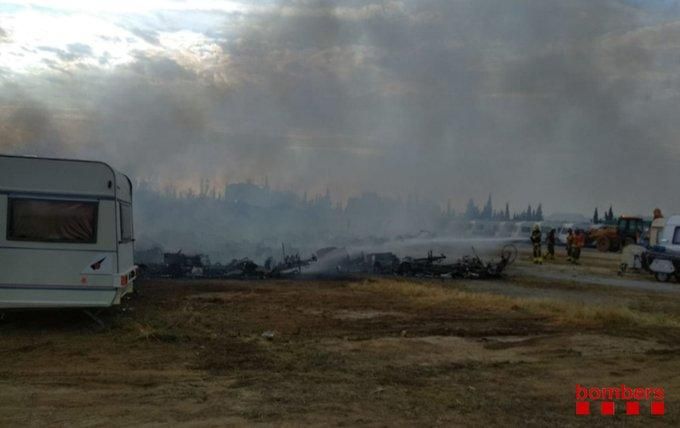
x,y
550,242
536,241
579,242
570,244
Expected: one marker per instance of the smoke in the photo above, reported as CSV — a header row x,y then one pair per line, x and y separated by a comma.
x,y
27,126
531,100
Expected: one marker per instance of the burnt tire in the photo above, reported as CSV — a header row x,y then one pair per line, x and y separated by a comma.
x,y
603,244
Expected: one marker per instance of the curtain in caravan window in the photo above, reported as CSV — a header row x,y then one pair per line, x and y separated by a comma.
x,y
52,221
125,222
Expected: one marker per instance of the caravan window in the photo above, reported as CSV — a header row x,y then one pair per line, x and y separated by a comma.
x,y
676,236
46,220
125,222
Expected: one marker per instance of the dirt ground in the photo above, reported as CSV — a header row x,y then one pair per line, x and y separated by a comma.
x,y
376,352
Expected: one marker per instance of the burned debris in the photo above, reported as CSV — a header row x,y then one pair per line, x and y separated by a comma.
x,y
424,266
181,265
467,267
237,269
290,265
326,262
368,263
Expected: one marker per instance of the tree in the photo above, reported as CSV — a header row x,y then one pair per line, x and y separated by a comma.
x,y
487,212
204,187
529,215
610,215
596,217
471,211
538,214
507,211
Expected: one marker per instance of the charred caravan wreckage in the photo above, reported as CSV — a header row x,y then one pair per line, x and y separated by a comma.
x,y
179,265
432,266
466,267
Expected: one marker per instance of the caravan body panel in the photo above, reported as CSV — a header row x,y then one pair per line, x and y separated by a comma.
x,y
61,242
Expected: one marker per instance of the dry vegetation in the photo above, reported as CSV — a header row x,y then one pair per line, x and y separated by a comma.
x,y
367,352
563,313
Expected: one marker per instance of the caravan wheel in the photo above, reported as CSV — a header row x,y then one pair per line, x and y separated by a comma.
x,y
662,277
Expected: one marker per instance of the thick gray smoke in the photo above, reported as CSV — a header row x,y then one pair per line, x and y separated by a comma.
x,y
571,103
27,126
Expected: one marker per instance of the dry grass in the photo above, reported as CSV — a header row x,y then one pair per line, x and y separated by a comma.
x,y
374,353
614,316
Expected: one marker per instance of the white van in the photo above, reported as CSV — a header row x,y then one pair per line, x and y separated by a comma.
x,y
669,235
66,233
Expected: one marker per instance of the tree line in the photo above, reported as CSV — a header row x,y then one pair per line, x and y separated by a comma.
x,y
487,212
608,216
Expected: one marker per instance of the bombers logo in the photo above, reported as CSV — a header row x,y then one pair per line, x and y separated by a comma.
x,y
632,397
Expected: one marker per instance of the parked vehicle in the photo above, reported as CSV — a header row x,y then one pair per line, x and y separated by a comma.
x,y
663,259
68,233
483,228
505,229
522,230
628,230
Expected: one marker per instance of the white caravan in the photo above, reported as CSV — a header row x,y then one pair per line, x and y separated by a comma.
x,y
68,236
669,236
662,257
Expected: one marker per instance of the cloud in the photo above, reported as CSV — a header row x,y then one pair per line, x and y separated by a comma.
x,y
149,36
73,52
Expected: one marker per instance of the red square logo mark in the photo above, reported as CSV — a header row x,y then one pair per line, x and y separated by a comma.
x,y
658,408
607,408
583,407
632,408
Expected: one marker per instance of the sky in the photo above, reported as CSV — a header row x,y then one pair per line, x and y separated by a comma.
x,y
569,103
